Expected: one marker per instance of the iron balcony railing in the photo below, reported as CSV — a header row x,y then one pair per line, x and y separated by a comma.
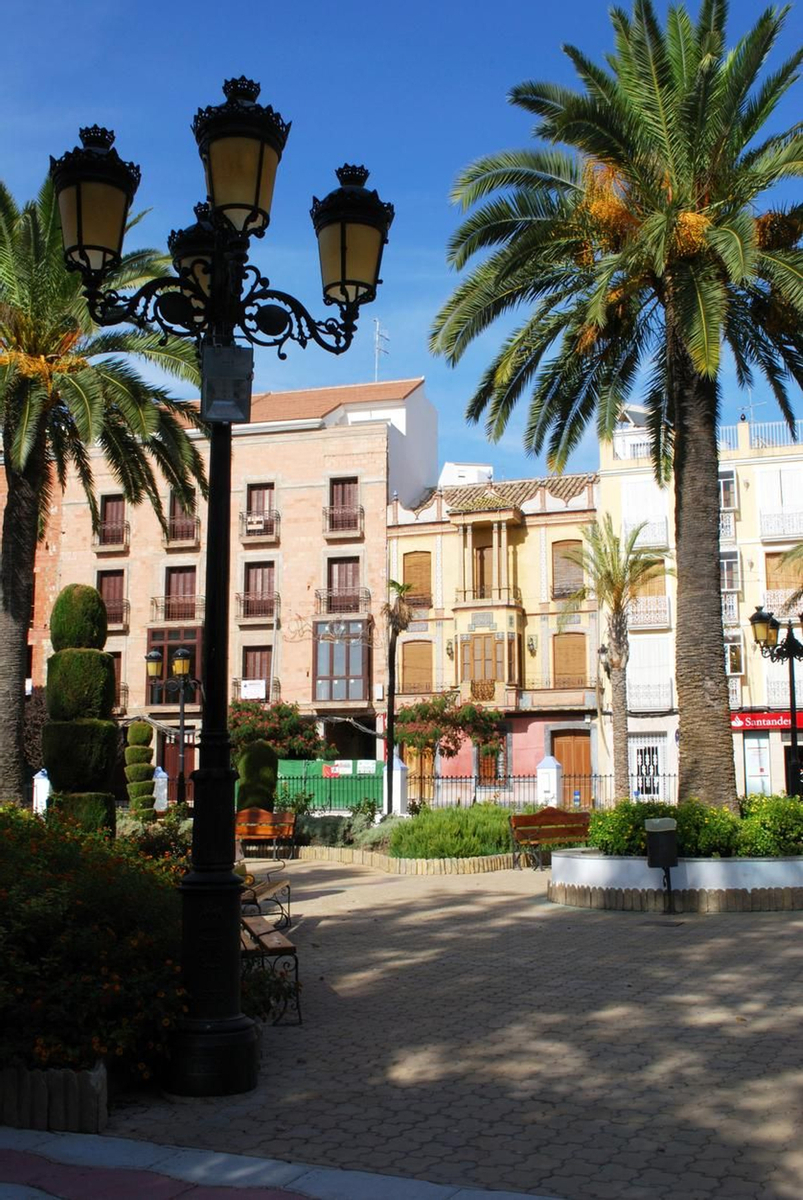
x,y
256,689
781,525
118,613
263,606
342,600
730,608
182,531
341,521
649,697
777,602
771,435
112,535
648,612
655,532
419,599
499,595
177,608
727,526
557,683
260,526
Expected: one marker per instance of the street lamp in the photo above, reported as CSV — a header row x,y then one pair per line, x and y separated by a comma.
x,y
214,296
185,686
765,631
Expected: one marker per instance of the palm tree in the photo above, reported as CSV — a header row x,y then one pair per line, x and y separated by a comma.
x,y
633,242
614,570
64,387
398,615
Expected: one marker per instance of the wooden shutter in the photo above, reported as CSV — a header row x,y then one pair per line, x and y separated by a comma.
x,y
111,587
653,584
779,576
256,662
259,590
570,660
465,660
343,493
344,584
417,667
182,521
418,575
567,576
260,497
483,572
180,600
112,520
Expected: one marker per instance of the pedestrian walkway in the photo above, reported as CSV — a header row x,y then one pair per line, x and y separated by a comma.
x,y
69,1166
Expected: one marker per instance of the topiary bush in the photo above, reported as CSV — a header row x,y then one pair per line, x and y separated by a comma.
x,y
258,768
78,619
139,771
79,739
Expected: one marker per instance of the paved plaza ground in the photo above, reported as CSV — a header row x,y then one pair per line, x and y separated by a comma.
x,y
462,1030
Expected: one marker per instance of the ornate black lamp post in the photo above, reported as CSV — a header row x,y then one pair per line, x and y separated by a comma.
x,y
214,296
765,631
181,682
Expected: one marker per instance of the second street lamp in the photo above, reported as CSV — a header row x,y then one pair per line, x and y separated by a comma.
x,y
765,632
215,297
185,686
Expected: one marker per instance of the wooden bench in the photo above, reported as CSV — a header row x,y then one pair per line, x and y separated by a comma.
x,y
258,825
534,832
268,891
262,945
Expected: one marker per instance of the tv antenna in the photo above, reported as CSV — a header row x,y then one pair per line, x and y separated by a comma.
x,y
746,413
379,337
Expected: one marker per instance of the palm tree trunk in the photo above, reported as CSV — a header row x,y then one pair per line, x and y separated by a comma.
x,y
706,744
17,559
390,738
621,770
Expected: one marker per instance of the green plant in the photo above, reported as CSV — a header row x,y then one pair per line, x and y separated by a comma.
x,y
169,838
78,619
367,808
90,942
80,682
452,833
258,768
377,837
80,754
140,733
704,831
289,733
139,770
299,802
772,826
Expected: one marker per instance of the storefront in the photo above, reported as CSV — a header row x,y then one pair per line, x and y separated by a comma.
x,y
762,766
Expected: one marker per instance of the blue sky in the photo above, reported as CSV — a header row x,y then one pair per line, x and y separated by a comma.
x,y
414,91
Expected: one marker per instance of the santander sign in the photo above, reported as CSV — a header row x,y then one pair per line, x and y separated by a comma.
x,y
745,722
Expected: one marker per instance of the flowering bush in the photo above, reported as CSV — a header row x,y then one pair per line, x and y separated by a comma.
x,y
768,826
89,945
771,826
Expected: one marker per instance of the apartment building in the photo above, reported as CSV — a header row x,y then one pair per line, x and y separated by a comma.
x,y
761,518
489,574
311,477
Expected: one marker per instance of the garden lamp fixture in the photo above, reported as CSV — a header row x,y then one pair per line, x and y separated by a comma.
x,y
219,300
766,630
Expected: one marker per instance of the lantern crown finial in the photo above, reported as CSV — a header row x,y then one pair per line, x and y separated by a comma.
x,y
352,176
96,137
242,89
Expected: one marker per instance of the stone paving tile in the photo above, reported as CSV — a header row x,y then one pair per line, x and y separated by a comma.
x,y
460,1029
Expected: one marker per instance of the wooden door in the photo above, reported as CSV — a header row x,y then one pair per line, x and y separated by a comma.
x,y
182,522
483,572
567,576
259,600
569,652
256,663
573,751
180,599
111,587
171,765
343,504
344,584
112,520
260,509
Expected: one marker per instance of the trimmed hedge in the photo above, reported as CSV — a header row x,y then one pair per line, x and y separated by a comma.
x,y
87,810
78,619
80,755
80,684
258,768
140,733
137,754
136,791
139,772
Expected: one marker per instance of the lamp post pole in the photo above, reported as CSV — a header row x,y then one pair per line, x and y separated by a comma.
x,y
182,682
219,300
766,630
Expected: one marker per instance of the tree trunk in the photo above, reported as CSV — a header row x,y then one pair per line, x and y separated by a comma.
x,y
390,741
706,743
17,559
621,769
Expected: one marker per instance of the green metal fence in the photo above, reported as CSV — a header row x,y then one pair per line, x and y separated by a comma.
x,y
337,786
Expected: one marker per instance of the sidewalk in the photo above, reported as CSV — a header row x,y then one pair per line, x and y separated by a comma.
x,y
69,1166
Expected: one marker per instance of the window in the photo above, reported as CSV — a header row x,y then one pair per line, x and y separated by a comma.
x,y
567,576
416,667
734,654
343,583
111,585
647,754
492,769
569,654
112,521
260,517
727,490
417,567
182,524
180,597
730,576
781,576
168,641
343,507
260,595
342,660
483,657
256,678
483,572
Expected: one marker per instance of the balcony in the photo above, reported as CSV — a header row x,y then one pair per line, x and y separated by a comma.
x,y
734,691
177,608
649,697
112,537
256,689
777,602
260,526
258,607
342,600
626,447
419,599
120,706
566,692
727,526
488,595
781,526
772,435
117,615
648,612
344,523
655,533
730,608
778,692
183,533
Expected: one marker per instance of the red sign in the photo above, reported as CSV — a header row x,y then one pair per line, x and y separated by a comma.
x,y
746,722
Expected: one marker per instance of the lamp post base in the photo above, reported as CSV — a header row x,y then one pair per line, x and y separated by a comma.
x,y
214,1058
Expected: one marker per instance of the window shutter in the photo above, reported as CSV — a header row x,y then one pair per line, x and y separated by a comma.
x,y
570,659
567,576
780,576
465,659
418,575
417,667
653,584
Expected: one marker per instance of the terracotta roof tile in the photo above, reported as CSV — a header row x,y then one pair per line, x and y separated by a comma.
x,y
311,403
490,497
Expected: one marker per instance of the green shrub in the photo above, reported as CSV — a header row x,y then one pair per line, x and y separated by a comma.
x,y
78,619
91,936
88,811
295,802
80,683
139,772
706,831
258,768
322,831
136,791
171,837
453,833
137,754
377,837
771,827
140,733
703,832
79,755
